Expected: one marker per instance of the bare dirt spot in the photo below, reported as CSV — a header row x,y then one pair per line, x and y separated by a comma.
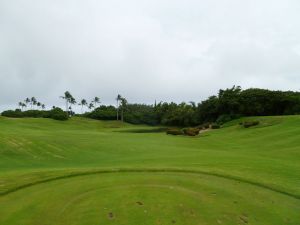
x,y
139,203
110,216
205,130
243,218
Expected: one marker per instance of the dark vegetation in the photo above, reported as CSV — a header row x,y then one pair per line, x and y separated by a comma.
x,y
184,131
227,105
191,131
248,124
215,126
55,113
174,131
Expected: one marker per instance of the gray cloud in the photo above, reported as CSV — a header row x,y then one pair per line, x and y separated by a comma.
x,y
146,50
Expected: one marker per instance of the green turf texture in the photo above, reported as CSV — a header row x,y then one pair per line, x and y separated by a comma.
x,y
94,172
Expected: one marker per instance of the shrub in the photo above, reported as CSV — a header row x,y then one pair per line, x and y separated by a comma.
x,y
33,113
206,125
248,124
215,126
174,131
224,118
191,131
58,114
200,127
13,113
103,113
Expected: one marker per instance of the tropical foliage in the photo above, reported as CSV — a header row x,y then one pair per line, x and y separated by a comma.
x,y
228,104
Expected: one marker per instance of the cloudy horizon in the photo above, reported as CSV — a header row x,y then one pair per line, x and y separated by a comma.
x,y
145,50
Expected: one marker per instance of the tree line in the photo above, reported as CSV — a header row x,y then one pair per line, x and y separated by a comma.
x,y
228,104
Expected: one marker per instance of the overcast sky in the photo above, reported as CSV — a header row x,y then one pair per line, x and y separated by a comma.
x,y
145,50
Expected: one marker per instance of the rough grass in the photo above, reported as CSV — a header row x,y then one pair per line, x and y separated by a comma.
x,y
260,166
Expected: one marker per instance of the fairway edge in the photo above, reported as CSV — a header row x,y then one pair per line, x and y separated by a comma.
x,y
148,170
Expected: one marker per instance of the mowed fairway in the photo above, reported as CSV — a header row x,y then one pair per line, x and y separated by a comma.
x,y
93,172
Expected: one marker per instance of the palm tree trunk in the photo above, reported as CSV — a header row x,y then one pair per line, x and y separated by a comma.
x,y
117,110
122,116
67,108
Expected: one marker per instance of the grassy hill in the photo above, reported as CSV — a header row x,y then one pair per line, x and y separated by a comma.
x,y
94,172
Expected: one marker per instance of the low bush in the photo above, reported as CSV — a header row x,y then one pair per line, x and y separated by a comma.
x,y
215,126
191,131
13,113
34,113
200,127
206,125
224,118
58,114
174,131
248,124
102,113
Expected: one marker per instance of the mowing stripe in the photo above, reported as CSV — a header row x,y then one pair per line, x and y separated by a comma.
x,y
150,170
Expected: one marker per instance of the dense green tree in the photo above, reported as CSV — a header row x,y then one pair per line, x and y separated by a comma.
x,y
103,113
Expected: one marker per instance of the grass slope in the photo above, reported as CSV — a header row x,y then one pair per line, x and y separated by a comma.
x,y
93,172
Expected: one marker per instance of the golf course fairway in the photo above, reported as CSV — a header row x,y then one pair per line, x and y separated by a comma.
x,y
91,172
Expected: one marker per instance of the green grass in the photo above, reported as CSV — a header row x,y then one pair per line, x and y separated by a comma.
x,y
93,172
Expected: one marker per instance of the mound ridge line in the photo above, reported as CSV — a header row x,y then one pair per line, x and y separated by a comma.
x,y
150,170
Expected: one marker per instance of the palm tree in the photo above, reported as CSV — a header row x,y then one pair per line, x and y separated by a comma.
x,y
91,105
68,98
43,106
96,100
72,101
39,104
27,101
193,104
83,102
123,107
21,105
33,101
119,97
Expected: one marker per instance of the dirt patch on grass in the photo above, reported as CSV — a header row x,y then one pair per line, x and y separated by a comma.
x,y
111,216
139,203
